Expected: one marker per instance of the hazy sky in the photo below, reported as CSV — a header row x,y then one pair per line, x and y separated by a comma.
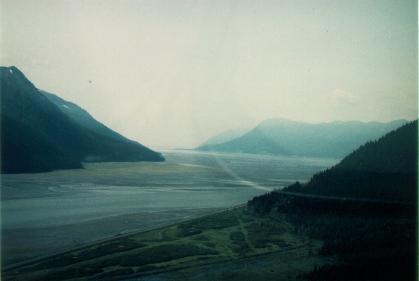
x,y
172,73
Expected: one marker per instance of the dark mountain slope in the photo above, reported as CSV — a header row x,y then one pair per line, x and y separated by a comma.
x,y
382,169
24,149
38,136
368,239
82,117
281,136
396,152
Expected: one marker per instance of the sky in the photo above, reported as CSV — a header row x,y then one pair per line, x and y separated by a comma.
x,y
171,73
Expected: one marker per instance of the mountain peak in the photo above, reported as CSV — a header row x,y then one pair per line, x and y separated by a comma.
x,y
10,70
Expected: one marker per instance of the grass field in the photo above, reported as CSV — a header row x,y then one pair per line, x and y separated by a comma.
x,y
228,244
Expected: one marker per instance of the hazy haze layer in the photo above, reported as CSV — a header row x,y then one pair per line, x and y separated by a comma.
x,y
173,73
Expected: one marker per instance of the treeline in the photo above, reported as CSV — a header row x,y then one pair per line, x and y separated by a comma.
x,y
363,209
381,169
278,202
395,152
359,184
371,240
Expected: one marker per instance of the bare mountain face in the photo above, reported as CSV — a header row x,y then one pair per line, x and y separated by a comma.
x,y
42,132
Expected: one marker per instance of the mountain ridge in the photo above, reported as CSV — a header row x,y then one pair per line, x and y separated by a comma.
x,y
282,136
81,116
45,138
376,170
224,137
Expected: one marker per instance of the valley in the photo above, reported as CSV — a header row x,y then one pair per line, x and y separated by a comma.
x,y
47,213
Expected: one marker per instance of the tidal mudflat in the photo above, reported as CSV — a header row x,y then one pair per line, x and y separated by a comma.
x,y
51,212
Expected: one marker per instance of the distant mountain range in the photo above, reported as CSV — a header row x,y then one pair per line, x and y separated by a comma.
x,y
42,132
286,137
382,169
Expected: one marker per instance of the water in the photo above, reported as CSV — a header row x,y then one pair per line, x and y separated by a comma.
x,y
51,212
